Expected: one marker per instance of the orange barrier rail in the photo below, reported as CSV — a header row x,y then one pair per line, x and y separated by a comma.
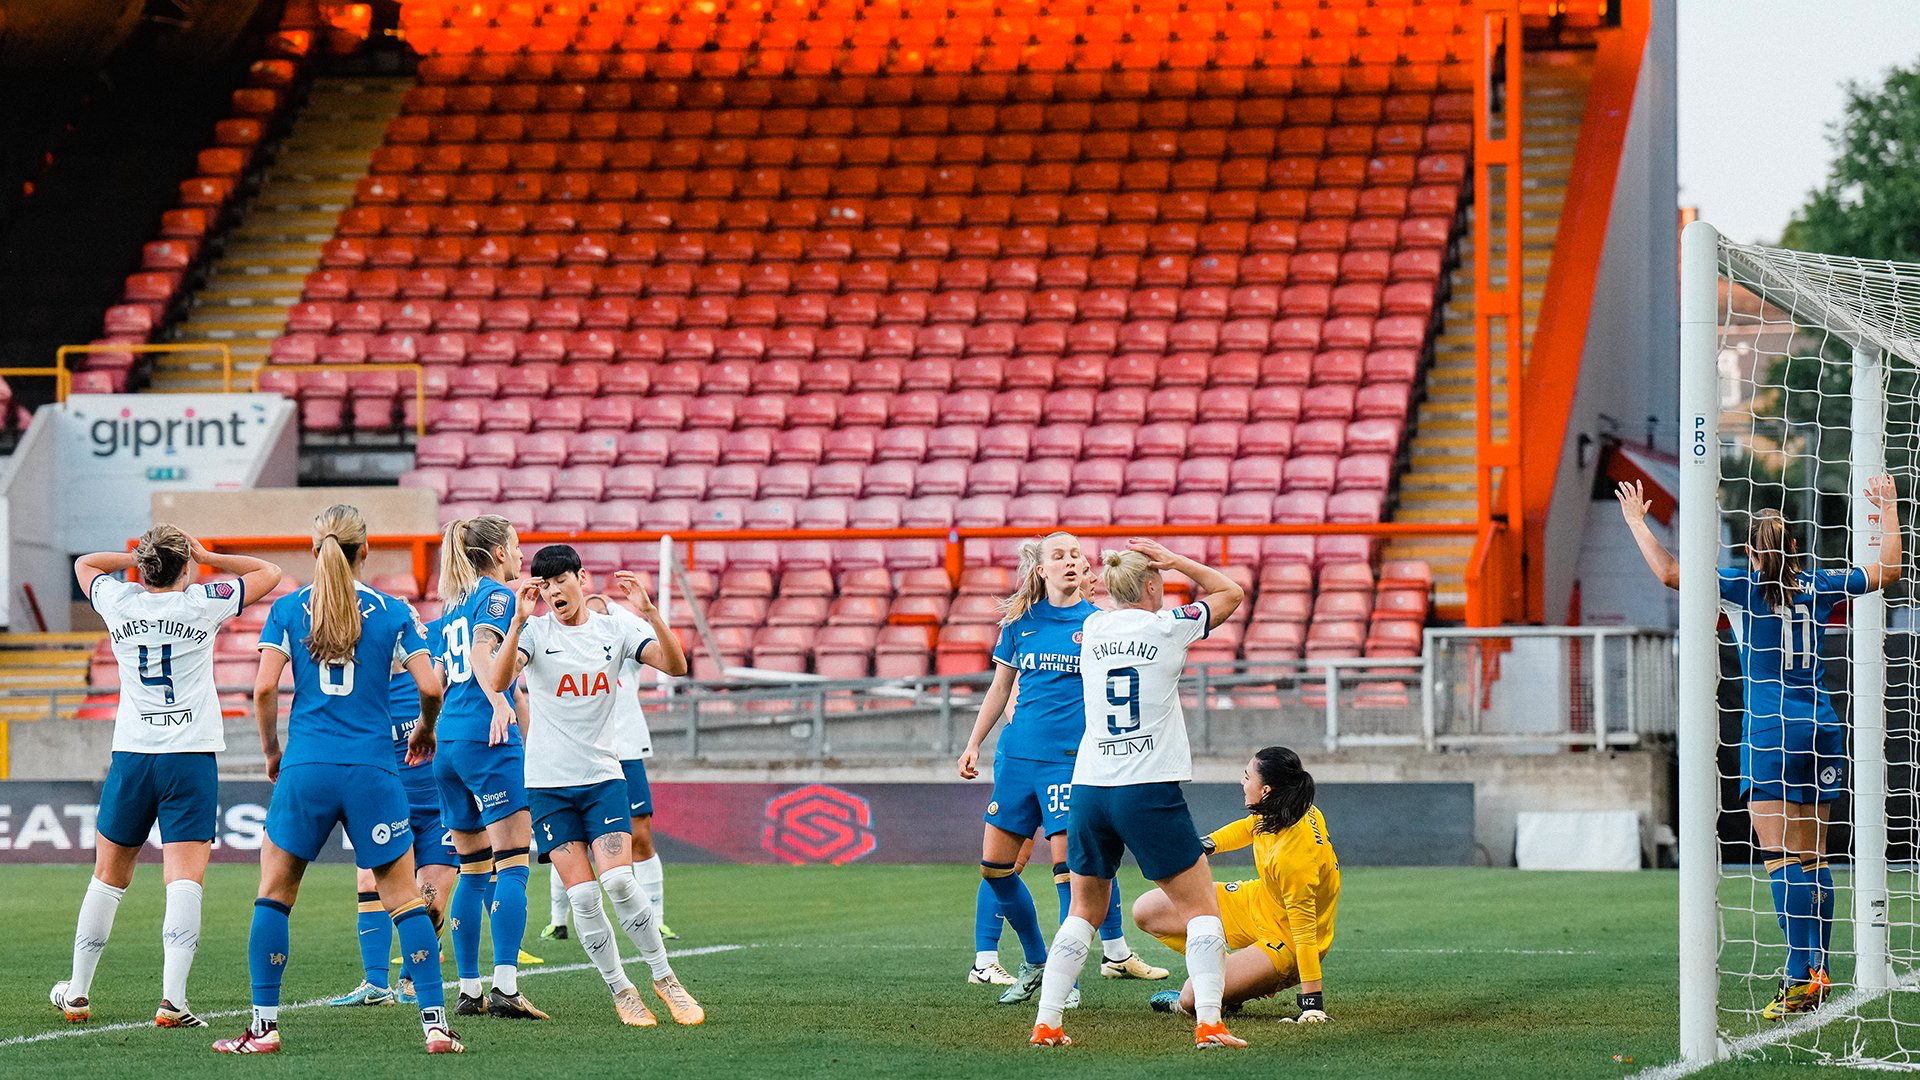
x,y
422,545
61,355
62,378
419,382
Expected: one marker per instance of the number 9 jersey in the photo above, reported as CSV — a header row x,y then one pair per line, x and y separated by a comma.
x,y
1130,664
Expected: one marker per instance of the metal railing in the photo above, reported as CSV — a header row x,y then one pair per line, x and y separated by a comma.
x,y
1572,686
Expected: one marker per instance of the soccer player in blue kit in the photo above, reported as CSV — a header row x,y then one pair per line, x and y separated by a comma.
x,y
1793,746
1039,648
481,766
342,640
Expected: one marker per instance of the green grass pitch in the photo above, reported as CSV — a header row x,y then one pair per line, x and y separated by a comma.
x,y
858,971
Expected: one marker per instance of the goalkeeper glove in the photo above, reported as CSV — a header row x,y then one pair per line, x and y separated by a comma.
x,y
1206,845
1312,1009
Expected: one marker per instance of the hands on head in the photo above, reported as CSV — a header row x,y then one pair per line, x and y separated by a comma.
x,y
1157,554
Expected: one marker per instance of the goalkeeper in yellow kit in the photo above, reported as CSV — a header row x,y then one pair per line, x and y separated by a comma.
x,y
1280,925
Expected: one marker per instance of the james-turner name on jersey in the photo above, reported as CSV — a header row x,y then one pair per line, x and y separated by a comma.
x,y
169,627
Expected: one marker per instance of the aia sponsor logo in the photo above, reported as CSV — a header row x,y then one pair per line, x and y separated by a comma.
x,y
582,686
819,824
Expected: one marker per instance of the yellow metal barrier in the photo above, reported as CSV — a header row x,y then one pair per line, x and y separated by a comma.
x,y
61,354
62,378
419,382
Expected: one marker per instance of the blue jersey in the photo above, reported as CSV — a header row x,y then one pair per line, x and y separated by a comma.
x,y
403,707
1780,650
1043,648
342,713
467,714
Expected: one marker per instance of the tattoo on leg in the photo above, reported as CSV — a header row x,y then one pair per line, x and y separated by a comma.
x,y
610,844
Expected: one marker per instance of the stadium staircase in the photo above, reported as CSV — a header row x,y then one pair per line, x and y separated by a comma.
x,y
46,665
1440,482
277,242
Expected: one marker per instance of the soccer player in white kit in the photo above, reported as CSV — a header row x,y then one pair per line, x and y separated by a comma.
x,y
577,792
165,735
1127,776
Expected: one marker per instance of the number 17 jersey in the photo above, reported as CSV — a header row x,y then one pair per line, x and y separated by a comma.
x,y
467,715
1780,650
1130,664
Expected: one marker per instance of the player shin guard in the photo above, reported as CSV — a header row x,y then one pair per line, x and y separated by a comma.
x,y
376,938
1207,966
1823,881
557,903
1063,888
507,915
652,877
420,954
179,940
1064,961
90,933
596,934
1016,903
987,923
1113,931
267,958
469,903
1794,889
636,918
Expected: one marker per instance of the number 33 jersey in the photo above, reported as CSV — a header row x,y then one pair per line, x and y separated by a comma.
x,y
164,643
1780,650
1130,663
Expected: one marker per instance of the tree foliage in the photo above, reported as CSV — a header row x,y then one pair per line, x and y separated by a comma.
x,y
1869,206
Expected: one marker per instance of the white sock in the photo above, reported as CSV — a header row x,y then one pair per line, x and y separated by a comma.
x,y
596,934
1207,966
1115,949
265,1016
506,979
986,958
653,884
90,933
636,918
1064,961
557,903
179,940
471,987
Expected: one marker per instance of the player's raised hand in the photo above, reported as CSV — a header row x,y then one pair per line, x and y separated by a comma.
x,y
197,551
1882,492
634,591
528,595
1633,501
1157,554
970,763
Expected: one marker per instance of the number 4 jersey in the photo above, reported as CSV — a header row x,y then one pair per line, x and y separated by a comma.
x,y
164,643
1780,650
1130,663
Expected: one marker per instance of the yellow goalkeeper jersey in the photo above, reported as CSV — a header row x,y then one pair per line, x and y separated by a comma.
x,y
1300,876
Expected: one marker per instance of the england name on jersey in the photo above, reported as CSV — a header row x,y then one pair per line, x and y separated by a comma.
x,y
163,642
1130,664
632,739
573,680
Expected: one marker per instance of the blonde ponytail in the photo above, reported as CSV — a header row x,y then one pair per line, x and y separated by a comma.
x,y
467,553
339,539
1126,576
1029,587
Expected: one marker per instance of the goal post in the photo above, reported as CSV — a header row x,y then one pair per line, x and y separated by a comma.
x,y
1779,351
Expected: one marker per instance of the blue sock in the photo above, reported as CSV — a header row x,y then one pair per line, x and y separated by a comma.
x,y
376,938
1776,865
1063,886
420,954
1113,927
1794,887
507,906
1016,904
469,904
267,950
987,920
1823,880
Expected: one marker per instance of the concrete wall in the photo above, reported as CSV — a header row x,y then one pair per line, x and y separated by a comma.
x,y
390,511
1630,369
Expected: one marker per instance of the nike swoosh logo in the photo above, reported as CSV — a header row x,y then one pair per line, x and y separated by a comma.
x,y
1028,633
636,806
553,652
610,821
364,933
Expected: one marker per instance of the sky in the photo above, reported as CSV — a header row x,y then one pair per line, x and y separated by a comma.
x,y
1759,83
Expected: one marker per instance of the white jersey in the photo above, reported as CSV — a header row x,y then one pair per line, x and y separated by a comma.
x,y
632,739
573,675
1130,663
164,643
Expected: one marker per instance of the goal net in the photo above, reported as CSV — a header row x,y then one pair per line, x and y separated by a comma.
x,y
1798,385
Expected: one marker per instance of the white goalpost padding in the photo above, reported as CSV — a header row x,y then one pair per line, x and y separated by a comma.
x,y
1771,340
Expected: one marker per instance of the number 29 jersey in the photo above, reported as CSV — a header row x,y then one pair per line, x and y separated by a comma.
x,y
1130,664
1780,650
467,716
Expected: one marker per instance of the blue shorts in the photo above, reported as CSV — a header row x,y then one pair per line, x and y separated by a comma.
x,y
639,792
563,815
479,784
1029,795
179,791
1796,761
310,799
432,842
1150,820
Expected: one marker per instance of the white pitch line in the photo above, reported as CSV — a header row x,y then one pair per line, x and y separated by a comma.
x,y
224,1014
1838,1009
